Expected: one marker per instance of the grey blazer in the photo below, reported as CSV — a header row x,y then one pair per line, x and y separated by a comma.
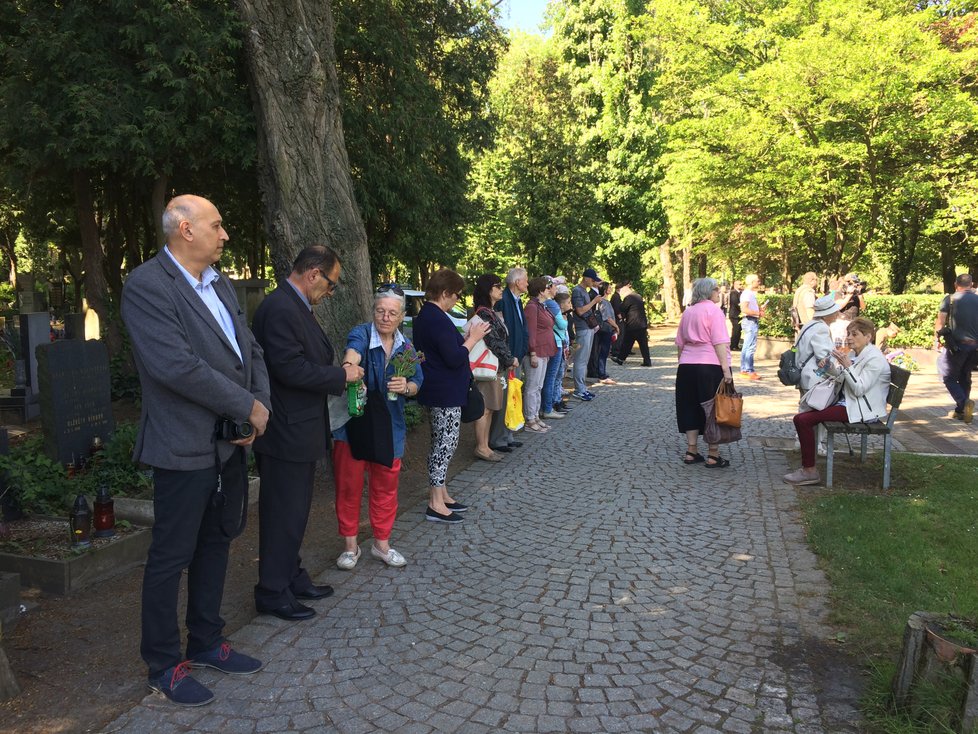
x,y
189,373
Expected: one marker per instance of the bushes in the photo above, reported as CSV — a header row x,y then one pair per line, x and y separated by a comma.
x,y
39,485
913,314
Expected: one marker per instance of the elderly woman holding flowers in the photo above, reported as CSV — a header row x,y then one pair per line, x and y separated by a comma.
x,y
392,372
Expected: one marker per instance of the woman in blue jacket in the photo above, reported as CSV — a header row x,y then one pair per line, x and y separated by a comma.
x,y
372,345
446,384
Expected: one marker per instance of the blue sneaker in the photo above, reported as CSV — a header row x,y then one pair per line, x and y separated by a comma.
x,y
177,685
591,395
585,396
226,660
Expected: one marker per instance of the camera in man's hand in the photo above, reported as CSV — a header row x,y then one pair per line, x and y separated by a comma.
x,y
230,430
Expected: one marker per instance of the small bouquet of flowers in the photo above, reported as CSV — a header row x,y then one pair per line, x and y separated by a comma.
x,y
405,365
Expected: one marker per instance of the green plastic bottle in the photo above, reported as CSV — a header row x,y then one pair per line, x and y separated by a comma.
x,y
356,398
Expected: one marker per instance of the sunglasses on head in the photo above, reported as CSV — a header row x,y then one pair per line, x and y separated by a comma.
x,y
390,288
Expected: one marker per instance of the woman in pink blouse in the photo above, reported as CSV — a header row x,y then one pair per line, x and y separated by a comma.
x,y
704,360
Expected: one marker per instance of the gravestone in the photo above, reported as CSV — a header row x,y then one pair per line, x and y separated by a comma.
x,y
35,331
75,326
76,397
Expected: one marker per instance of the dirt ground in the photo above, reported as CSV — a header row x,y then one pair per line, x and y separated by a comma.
x,y
76,658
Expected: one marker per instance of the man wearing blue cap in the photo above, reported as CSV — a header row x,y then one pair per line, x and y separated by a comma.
x,y
585,325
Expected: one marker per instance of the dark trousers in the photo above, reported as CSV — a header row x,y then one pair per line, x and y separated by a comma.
x,y
958,378
499,434
593,368
735,333
283,511
189,532
631,336
603,340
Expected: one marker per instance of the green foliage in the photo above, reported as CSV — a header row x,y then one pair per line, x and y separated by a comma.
x,y
413,414
35,483
414,75
914,315
777,316
114,467
888,556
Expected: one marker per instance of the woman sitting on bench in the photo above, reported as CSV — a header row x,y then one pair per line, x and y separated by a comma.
x,y
865,379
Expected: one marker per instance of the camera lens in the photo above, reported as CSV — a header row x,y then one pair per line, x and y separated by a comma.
x,y
245,429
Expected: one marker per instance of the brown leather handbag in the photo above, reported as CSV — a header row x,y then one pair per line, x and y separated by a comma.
x,y
729,405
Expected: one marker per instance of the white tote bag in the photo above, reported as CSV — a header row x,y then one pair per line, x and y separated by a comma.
x,y
483,363
821,395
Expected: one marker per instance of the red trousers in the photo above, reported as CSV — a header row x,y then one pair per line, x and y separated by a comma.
x,y
805,426
381,492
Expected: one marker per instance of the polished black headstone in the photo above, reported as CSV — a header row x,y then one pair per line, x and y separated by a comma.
x,y
76,397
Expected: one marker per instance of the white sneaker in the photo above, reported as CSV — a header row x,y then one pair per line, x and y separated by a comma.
x,y
391,558
554,415
348,559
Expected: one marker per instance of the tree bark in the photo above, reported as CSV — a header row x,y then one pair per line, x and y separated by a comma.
x,y
96,288
157,202
304,172
670,298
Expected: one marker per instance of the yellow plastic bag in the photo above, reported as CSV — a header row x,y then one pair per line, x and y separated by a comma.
x,y
514,404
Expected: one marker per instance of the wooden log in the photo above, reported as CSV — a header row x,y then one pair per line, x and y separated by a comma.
x,y
914,637
8,683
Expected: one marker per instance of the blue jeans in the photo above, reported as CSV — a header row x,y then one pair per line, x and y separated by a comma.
x,y
749,330
581,356
557,391
547,395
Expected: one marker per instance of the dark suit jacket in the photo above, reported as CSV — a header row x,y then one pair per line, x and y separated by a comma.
x,y
189,373
299,357
519,338
733,312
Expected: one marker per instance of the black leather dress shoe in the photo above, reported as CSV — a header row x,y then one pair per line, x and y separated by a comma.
x,y
515,444
503,449
292,612
315,592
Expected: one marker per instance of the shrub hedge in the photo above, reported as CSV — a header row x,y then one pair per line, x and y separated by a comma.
x,y
913,314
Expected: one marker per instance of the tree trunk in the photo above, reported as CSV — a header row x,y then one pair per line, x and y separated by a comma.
x,y
157,202
96,288
687,273
304,172
670,297
948,273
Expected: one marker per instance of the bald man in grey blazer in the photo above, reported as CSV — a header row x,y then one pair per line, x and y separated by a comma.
x,y
199,366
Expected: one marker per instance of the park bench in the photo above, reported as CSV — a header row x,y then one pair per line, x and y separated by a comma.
x,y
898,385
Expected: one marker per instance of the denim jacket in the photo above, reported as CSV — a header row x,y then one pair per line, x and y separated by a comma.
x,y
365,340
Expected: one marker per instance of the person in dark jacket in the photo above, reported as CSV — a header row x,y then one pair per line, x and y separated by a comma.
x,y
488,292
446,384
510,306
733,313
635,326
299,357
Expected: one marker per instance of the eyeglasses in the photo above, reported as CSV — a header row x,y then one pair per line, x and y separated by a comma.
x,y
388,315
333,284
390,288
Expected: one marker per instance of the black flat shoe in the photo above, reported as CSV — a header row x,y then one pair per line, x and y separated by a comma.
x,y
502,449
617,361
692,458
315,592
451,518
515,444
292,612
718,462
456,506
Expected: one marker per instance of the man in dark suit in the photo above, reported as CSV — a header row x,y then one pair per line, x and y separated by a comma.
x,y
200,369
733,313
510,306
299,358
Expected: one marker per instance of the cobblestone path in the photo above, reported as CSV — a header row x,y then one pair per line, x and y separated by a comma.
x,y
597,585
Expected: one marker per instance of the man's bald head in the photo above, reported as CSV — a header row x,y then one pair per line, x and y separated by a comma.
x,y
183,208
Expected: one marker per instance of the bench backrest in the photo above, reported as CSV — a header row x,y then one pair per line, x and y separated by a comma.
x,y
898,386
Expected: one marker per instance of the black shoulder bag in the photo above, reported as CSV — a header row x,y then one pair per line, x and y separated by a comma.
x,y
371,435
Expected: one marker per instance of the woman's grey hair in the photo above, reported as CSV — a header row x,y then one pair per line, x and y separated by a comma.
x,y
703,289
514,275
380,295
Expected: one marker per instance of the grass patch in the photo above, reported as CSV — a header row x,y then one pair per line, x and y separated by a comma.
x,y
887,556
